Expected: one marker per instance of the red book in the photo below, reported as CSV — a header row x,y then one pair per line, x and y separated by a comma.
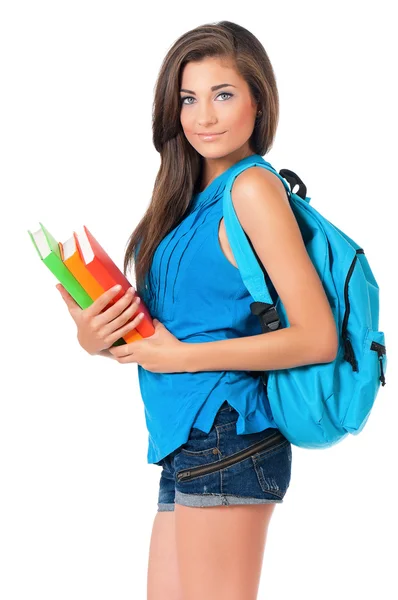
x,y
105,271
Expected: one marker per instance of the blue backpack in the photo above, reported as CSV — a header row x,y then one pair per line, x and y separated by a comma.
x,y
315,406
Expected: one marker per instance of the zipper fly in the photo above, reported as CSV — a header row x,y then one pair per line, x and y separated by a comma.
x,y
229,460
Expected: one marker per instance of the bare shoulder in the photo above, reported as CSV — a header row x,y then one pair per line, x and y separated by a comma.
x,y
258,180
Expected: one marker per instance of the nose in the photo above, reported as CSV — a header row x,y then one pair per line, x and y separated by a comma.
x,y
206,116
204,123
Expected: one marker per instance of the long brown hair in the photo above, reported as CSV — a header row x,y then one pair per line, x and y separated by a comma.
x,y
180,171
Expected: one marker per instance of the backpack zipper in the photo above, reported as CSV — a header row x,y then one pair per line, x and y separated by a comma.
x,y
380,349
349,354
185,474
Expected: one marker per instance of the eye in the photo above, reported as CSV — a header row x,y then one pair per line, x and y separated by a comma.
x,y
225,94
189,97
185,98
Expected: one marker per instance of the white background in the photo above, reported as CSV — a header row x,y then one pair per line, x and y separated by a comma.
x,y
77,495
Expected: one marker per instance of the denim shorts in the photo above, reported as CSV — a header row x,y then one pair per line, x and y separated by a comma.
x,y
222,467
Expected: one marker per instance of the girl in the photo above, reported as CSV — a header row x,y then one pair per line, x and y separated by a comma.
x,y
225,465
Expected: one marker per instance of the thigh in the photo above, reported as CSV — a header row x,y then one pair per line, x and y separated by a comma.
x,y
220,551
163,580
227,486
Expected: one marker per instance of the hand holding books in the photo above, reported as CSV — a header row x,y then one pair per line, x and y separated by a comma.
x,y
97,327
86,271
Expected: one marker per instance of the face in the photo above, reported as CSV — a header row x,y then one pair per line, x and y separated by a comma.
x,y
228,110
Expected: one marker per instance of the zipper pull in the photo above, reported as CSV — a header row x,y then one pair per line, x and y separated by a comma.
x,y
380,349
382,378
349,355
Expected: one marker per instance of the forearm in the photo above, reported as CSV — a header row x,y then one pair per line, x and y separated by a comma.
x,y
282,349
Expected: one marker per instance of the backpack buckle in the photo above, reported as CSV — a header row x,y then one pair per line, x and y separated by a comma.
x,y
267,314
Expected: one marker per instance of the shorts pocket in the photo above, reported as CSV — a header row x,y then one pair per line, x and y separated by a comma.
x,y
273,469
200,443
214,463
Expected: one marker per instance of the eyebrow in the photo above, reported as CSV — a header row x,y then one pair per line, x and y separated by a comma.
x,y
213,89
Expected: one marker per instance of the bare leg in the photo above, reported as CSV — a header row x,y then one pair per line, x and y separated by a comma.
x,y
163,581
220,550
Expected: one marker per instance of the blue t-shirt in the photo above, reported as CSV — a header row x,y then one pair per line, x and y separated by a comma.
x,y
199,296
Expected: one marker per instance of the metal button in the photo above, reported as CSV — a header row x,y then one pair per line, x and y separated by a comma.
x,y
215,450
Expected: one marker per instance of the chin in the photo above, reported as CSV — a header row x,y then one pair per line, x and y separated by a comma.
x,y
211,151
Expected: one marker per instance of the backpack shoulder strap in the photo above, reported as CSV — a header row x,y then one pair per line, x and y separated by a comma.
x,y
251,272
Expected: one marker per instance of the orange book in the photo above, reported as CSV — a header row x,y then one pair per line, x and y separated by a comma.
x,y
73,261
106,273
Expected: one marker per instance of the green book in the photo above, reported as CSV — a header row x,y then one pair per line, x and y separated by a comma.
x,y
48,249
49,252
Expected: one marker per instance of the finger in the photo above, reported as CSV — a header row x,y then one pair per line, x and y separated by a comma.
x,y
119,351
125,352
122,319
130,325
122,331
102,301
116,309
130,358
70,302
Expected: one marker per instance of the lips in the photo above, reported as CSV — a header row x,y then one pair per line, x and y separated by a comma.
x,y
210,136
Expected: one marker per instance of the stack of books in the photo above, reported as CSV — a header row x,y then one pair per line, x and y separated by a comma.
x,y
86,271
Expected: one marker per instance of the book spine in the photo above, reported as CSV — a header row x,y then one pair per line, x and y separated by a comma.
x,y
70,283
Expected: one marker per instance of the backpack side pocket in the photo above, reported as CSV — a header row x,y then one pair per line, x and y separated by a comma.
x,y
371,372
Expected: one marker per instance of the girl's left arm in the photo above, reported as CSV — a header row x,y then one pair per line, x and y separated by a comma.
x,y
281,349
264,211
